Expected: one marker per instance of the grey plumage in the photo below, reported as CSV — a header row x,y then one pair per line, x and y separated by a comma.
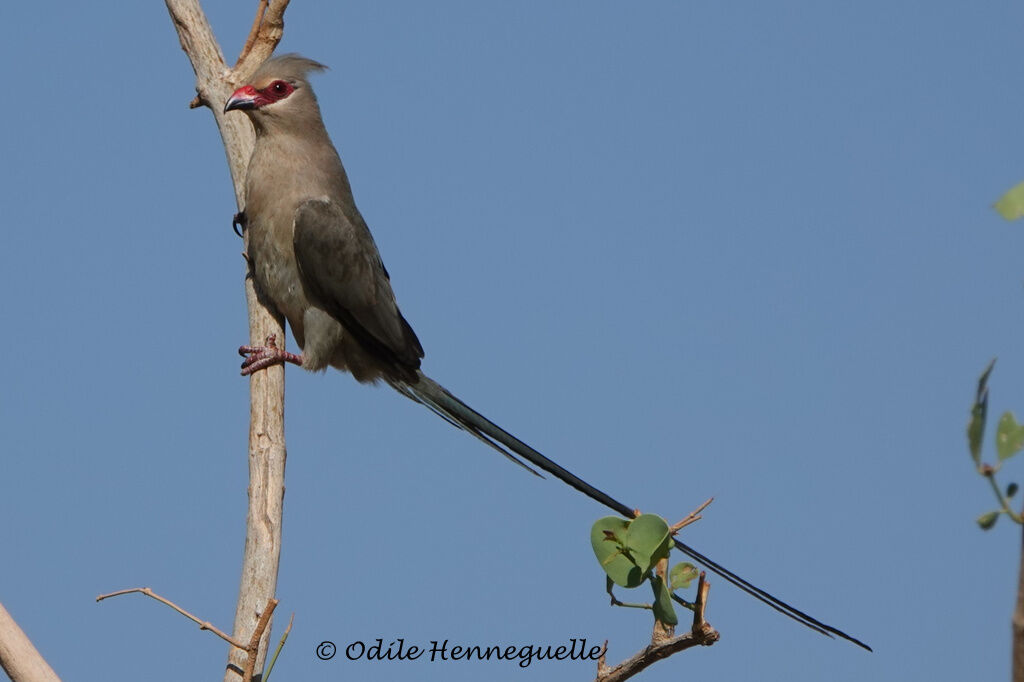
x,y
314,260
313,257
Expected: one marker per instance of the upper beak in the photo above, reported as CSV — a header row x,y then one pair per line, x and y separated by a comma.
x,y
242,98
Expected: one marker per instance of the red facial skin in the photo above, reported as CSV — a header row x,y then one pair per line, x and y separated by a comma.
x,y
248,97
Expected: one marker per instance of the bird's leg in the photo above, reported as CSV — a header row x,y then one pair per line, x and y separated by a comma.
x,y
261,357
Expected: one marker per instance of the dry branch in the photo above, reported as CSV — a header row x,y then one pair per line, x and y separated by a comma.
x,y
203,624
701,634
251,649
18,657
692,517
214,84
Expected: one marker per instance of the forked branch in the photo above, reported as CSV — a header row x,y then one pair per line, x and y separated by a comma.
x,y
214,84
251,648
701,634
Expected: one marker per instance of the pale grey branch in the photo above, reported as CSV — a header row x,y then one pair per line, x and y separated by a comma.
x,y
214,84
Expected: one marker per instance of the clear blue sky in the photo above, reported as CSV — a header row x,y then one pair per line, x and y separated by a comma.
x,y
688,249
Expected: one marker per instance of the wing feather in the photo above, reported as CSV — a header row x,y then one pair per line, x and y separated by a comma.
x,y
342,272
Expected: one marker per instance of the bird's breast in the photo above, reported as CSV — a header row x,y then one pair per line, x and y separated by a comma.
x,y
274,269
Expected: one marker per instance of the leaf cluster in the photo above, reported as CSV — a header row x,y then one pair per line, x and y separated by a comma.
x,y
629,550
1009,441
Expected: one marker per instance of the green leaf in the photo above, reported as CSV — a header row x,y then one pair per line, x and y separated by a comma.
x,y
682,575
987,520
1009,436
627,550
608,538
976,424
1011,489
649,540
1011,204
663,609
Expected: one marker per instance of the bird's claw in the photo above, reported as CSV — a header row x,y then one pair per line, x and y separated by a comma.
x,y
239,223
261,357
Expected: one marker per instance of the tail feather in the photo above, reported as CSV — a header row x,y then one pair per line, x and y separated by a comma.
x,y
442,402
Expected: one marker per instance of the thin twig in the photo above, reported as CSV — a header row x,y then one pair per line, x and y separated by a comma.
x,y
253,32
601,664
693,516
682,602
267,29
280,645
251,649
989,472
630,605
254,641
203,624
702,600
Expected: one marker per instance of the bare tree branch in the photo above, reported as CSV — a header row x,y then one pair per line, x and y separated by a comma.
x,y
214,84
252,649
203,624
267,29
701,634
257,23
18,657
693,516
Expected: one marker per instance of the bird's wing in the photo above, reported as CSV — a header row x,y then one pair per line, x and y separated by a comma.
x,y
341,268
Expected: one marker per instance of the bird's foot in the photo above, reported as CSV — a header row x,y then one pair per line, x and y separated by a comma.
x,y
261,357
239,222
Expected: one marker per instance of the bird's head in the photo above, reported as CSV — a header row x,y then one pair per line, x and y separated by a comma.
x,y
279,88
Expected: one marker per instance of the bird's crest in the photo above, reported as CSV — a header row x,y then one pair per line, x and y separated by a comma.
x,y
289,67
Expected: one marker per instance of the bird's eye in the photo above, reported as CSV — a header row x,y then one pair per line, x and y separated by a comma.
x,y
276,91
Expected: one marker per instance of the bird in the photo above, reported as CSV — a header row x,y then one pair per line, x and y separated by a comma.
x,y
313,260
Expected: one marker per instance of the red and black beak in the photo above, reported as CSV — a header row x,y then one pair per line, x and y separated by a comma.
x,y
242,99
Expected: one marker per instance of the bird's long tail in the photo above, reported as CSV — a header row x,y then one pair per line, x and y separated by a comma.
x,y
428,392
